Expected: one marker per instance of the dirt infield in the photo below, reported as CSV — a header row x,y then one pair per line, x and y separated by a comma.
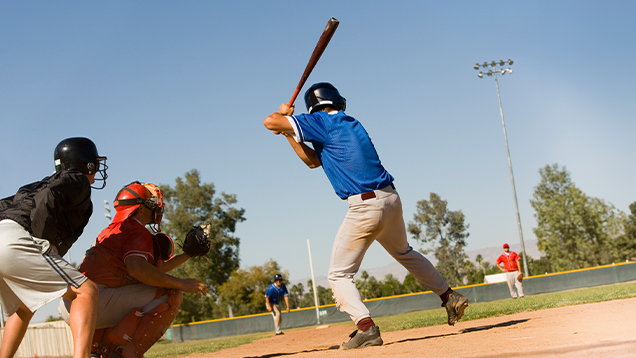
x,y
605,329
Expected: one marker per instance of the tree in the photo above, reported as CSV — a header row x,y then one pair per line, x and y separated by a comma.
x,y
539,266
573,230
296,293
325,295
624,247
412,285
391,286
445,231
190,203
245,290
51,318
369,287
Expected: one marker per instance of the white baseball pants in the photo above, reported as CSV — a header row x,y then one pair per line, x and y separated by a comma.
x,y
376,219
278,317
511,277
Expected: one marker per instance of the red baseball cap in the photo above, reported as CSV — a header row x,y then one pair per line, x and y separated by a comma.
x,y
506,245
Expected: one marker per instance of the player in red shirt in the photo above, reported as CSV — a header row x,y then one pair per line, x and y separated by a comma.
x,y
138,300
510,261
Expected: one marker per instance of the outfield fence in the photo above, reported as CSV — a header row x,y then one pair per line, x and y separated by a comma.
x,y
386,306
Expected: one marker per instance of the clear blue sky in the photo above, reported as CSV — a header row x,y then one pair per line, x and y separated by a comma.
x,y
165,87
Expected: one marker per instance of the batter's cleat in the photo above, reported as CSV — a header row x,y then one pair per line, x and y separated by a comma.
x,y
279,333
361,339
455,307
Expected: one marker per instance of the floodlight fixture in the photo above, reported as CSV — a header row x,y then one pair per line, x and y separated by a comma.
x,y
476,66
481,74
510,62
509,70
501,63
485,64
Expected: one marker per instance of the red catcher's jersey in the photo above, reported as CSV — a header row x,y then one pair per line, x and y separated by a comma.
x,y
114,244
509,261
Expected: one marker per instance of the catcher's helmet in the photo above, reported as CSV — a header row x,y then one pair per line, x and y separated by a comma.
x,y
278,277
133,195
81,154
323,94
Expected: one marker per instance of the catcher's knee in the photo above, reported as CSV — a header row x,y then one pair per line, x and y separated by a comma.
x,y
140,330
175,297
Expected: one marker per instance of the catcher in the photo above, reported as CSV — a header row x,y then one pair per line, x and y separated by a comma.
x,y
138,300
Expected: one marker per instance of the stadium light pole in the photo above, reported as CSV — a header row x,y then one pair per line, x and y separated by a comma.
x,y
493,72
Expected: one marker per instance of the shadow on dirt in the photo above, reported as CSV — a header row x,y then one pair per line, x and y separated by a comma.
x,y
271,355
491,326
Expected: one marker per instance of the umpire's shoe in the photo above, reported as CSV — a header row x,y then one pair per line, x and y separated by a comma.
x,y
361,339
455,307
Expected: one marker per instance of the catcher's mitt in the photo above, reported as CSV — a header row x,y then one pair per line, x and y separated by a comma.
x,y
520,277
197,241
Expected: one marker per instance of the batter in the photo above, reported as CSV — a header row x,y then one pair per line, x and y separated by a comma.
x,y
342,147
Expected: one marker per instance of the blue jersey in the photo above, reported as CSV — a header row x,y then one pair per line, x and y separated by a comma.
x,y
275,294
346,153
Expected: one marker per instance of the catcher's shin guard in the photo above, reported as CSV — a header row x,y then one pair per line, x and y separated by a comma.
x,y
138,331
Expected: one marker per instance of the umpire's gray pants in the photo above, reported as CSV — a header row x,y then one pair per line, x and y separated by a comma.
x,y
376,219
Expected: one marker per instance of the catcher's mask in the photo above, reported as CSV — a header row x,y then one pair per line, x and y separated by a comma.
x,y
135,194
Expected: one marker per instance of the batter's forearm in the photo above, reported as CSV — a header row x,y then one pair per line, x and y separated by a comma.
x,y
306,154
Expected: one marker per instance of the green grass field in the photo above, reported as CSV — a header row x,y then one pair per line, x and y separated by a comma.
x,y
167,349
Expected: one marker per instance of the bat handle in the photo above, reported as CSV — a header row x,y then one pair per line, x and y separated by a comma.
x,y
293,99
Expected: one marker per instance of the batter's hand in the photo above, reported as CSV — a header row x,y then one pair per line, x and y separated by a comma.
x,y
286,110
269,309
191,285
287,309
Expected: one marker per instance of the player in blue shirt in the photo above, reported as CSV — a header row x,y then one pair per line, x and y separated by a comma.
x,y
341,145
273,295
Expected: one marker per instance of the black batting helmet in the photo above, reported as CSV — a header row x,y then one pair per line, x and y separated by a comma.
x,y
323,94
278,277
81,154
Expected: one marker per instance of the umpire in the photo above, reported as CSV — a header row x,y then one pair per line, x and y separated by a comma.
x,y
37,227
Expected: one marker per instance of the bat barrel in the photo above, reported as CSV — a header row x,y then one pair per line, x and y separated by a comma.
x,y
326,36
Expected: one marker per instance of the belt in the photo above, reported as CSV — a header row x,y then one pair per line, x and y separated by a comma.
x,y
371,194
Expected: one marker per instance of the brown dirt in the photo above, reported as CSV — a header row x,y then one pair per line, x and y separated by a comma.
x,y
605,329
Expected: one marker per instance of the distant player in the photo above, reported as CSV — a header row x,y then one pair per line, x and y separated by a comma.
x,y
510,262
38,225
138,300
343,148
275,293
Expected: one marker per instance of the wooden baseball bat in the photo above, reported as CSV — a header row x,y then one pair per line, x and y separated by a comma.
x,y
331,27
